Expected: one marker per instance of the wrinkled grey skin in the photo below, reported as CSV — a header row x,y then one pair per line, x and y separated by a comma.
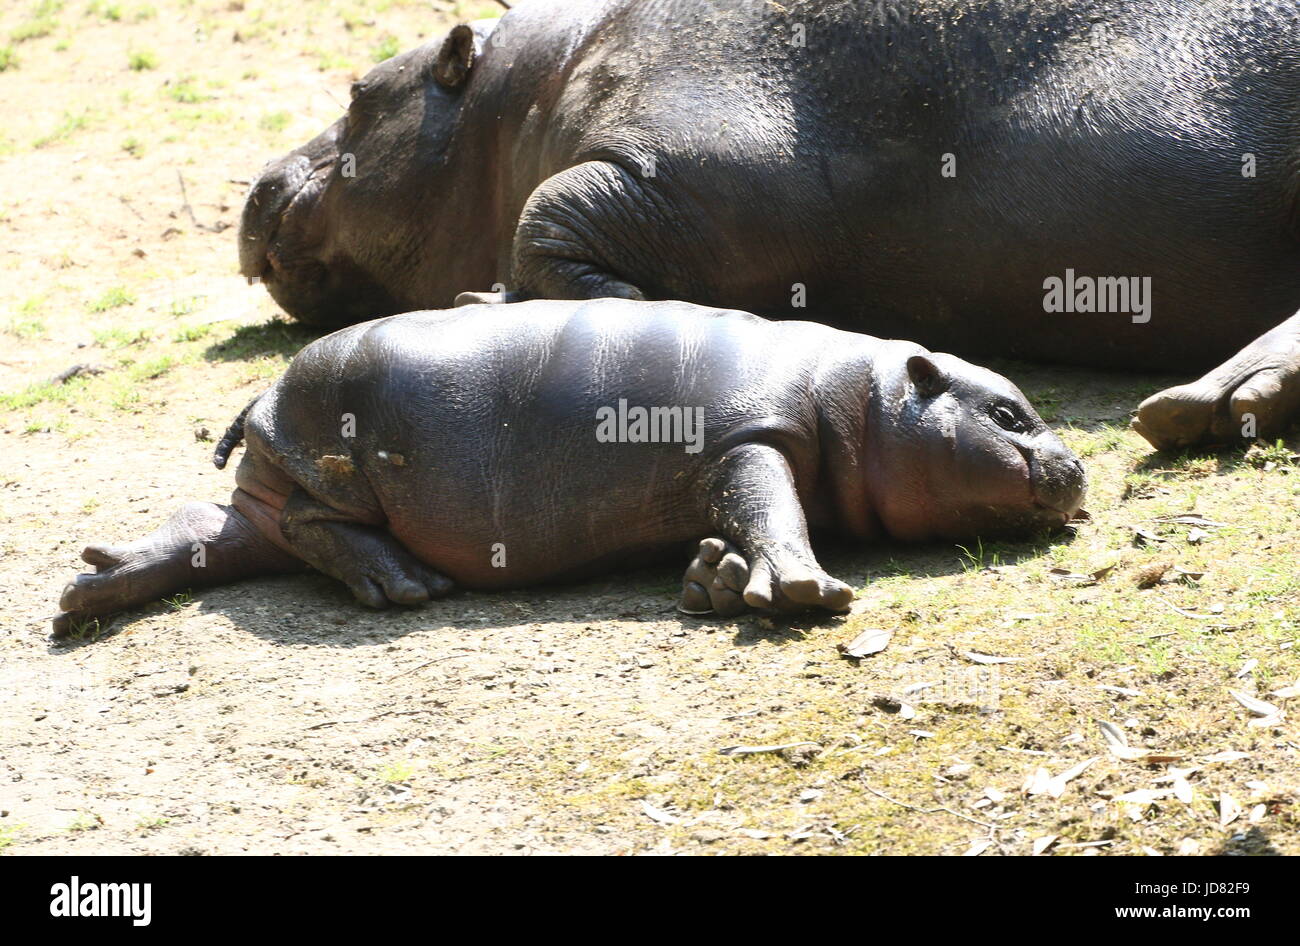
x,y
1102,136
472,459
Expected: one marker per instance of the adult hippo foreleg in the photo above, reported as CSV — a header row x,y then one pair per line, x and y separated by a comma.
x,y
366,558
565,234
767,561
1256,393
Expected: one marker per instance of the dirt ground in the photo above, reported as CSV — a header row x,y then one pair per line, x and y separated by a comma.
x,y
278,716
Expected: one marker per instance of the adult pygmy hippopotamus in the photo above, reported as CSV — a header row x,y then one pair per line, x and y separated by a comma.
x,y
1113,183
547,440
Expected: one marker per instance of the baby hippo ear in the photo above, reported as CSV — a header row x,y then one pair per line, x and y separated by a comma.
x,y
456,57
929,378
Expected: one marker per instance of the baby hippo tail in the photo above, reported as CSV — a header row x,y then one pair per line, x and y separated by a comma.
x,y
233,436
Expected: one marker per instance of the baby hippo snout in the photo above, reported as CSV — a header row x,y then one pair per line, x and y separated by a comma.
x,y
1057,476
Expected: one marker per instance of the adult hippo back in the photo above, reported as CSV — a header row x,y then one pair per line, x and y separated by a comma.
x,y
549,440
1111,183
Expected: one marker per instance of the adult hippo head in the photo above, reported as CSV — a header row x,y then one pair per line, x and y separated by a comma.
x,y
337,229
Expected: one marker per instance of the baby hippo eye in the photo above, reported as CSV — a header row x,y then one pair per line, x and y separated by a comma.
x,y
1006,418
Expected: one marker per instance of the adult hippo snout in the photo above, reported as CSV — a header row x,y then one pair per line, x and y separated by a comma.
x,y
287,241
279,184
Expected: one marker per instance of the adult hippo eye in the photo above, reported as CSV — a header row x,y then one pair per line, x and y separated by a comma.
x,y
1006,418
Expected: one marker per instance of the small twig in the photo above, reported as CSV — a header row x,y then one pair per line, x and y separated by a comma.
x,y
190,210
371,719
428,663
928,811
504,4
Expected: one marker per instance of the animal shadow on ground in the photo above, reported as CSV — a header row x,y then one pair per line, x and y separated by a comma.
x,y
276,337
315,610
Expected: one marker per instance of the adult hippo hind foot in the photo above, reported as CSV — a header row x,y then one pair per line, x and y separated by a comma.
x,y
1256,393
556,440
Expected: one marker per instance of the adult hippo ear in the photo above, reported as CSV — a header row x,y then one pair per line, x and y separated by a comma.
x,y
455,59
928,378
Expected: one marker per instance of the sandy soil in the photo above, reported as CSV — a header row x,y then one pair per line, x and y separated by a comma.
x,y
278,716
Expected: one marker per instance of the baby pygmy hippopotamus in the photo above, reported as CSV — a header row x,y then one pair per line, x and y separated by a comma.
x,y
506,446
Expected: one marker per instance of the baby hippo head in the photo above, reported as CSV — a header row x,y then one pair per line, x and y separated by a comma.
x,y
961,453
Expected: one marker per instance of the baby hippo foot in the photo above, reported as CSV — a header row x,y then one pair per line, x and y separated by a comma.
x,y
719,579
1254,394
201,544
487,298
378,570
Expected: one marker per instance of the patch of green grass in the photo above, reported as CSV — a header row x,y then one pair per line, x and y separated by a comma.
x,y
185,305
141,60
117,337
179,601
27,325
152,824
85,821
8,59
186,91
274,121
327,60
191,333
114,298
67,126
153,368
9,836
396,772
133,146
388,48
42,392
33,29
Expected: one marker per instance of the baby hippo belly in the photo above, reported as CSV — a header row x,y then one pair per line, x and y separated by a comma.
x,y
535,520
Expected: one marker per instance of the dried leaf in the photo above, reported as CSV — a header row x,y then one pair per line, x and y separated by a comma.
x,y
1264,722
1229,810
1064,574
1190,519
1230,755
1246,668
1197,536
659,815
1123,691
1151,575
1057,786
978,847
1288,693
1182,790
757,750
1254,704
976,657
871,641
1038,783
1257,814
1043,843
1144,537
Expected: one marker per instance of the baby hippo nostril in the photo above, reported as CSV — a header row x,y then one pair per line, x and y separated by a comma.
x,y
1058,481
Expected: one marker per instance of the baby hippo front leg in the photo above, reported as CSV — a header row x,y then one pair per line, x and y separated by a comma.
x,y
767,561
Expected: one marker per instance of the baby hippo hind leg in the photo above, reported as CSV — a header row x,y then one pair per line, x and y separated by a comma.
x,y
366,558
201,544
